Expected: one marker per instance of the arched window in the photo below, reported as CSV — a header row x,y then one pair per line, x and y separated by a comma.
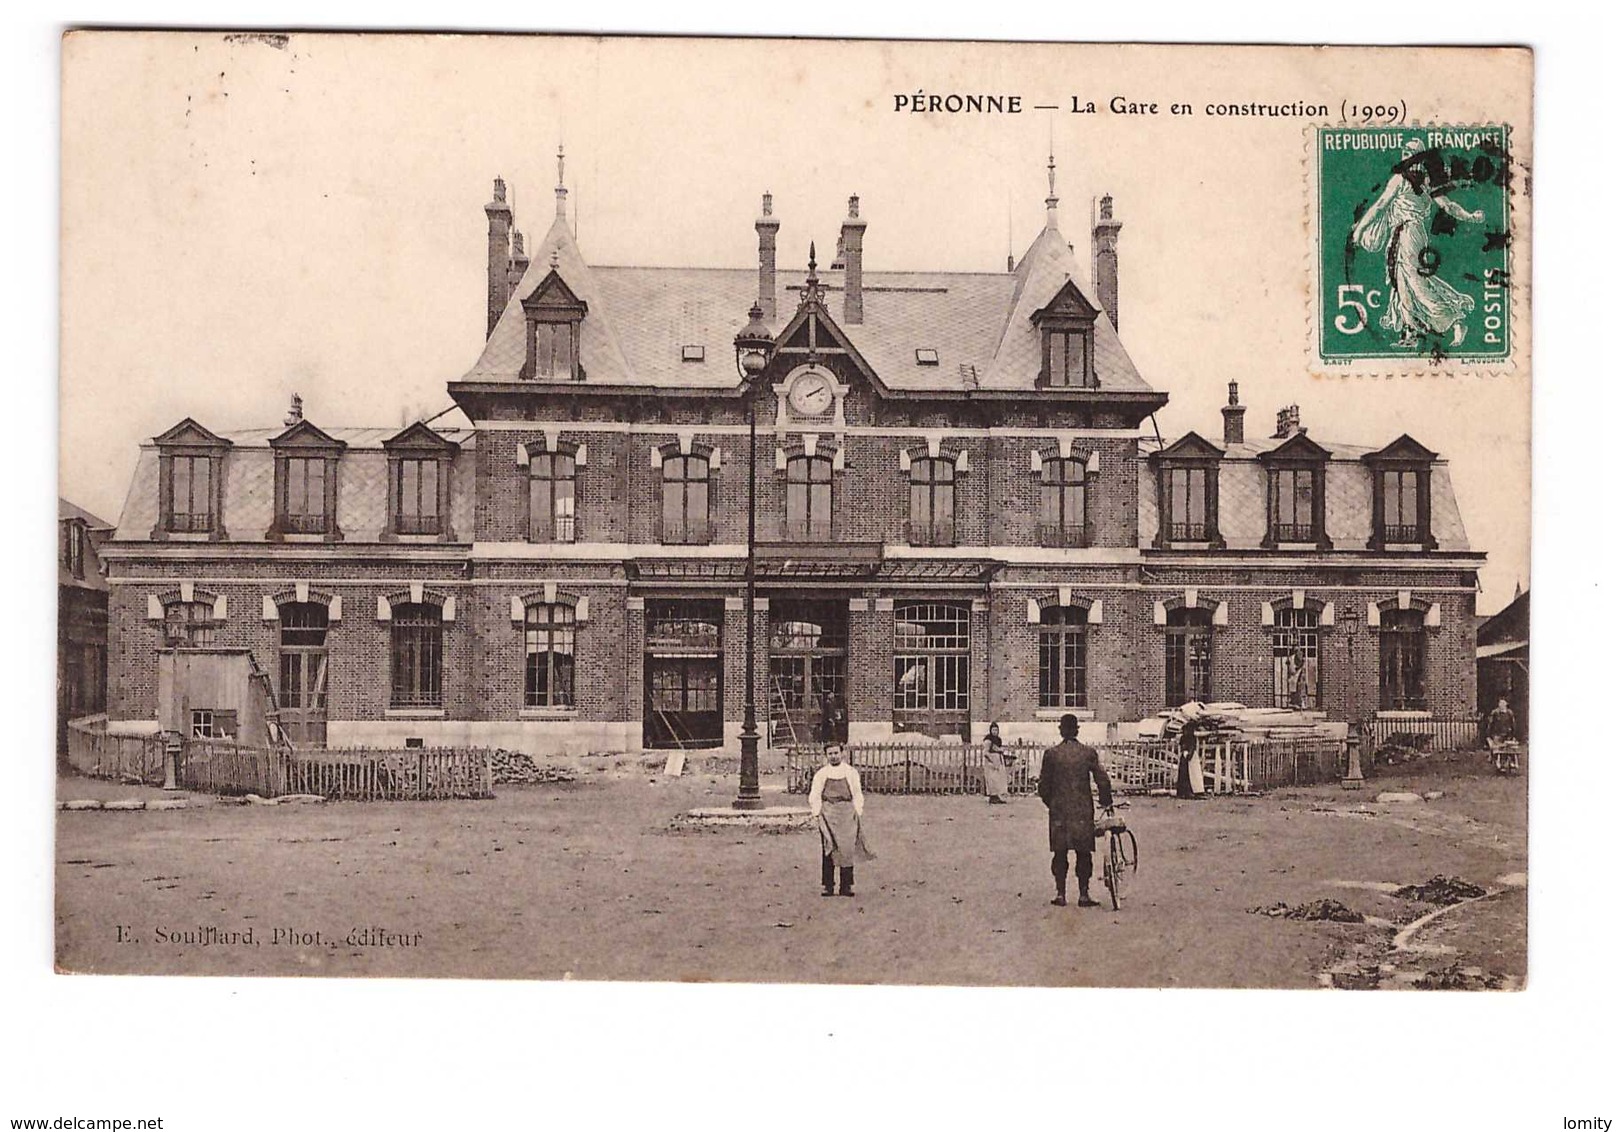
x,y
934,494
1062,502
549,656
1188,655
1296,651
1402,660
188,624
416,632
551,497
686,511
809,494
1062,657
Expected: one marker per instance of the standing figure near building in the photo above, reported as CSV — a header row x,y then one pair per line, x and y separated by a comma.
x,y
836,807
1500,726
996,767
1188,747
1065,790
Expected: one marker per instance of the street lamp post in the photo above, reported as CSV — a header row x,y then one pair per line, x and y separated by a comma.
x,y
753,345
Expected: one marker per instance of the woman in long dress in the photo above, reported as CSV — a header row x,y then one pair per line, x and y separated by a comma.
x,y
836,808
1418,300
996,768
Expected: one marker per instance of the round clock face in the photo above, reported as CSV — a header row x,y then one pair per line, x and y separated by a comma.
x,y
810,394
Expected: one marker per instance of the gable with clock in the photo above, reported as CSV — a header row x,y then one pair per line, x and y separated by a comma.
x,y
811,394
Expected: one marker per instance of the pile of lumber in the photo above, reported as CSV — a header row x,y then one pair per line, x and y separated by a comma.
x,y
1219,721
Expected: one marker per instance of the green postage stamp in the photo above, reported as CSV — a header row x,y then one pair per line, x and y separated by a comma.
x,y
1413,244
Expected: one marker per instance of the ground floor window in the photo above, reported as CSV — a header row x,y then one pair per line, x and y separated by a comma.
x,y
417,643
549,656
1295,659
932,666
1402,660
1061,653
1188,656
188,624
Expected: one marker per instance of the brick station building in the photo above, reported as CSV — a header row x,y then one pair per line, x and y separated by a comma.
x,y
960,520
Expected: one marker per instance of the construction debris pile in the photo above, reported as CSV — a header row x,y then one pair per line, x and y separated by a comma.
x,y
514,768
1442,890
1238,721
1332,910
1456,977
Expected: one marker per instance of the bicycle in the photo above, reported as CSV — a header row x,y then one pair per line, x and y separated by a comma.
x,y
1120,853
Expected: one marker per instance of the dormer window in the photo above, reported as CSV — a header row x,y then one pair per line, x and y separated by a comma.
x,y
1066,325
1070,357
73,540
926,356
1187,477
692,353
552,317
191,463
1296,471
419,501
307,462
1401,473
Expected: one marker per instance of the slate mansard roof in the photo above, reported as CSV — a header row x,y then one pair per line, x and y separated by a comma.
x,y
1348,496
250,484
639,319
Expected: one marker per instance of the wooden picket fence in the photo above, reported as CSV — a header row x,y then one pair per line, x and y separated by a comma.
x,y
1135,767
959,768
1420,733
123,758
361,774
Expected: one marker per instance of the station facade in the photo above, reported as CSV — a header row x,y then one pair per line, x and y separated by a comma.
x,y
959,519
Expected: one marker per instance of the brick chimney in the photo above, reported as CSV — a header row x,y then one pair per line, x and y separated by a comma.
x,y
851,237
500,215
1233,417
766,228
1106,230
518,264
1289,422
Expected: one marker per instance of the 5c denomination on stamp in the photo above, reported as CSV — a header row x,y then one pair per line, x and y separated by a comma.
x,y
1413,244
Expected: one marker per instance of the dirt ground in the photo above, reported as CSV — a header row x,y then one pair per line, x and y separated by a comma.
x,y
588,880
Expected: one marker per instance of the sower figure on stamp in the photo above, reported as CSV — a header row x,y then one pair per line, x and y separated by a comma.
x,y
1397,225
1065,790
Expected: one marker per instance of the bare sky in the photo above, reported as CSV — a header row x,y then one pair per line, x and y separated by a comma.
x,y
243,219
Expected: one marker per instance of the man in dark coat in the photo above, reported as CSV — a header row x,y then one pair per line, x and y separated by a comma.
x,y
1068,795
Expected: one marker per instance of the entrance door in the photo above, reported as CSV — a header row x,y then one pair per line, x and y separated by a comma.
x,y
682,674
301,692
932,667
809,647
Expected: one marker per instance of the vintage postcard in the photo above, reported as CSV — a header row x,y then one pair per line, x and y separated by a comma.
x,y
794,511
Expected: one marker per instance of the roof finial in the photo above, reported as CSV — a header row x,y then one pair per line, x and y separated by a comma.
x,y
812,292
554,259
561,192
1010,231
1053,190
295,411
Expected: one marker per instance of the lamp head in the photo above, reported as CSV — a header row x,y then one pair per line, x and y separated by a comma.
x,y
753,344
